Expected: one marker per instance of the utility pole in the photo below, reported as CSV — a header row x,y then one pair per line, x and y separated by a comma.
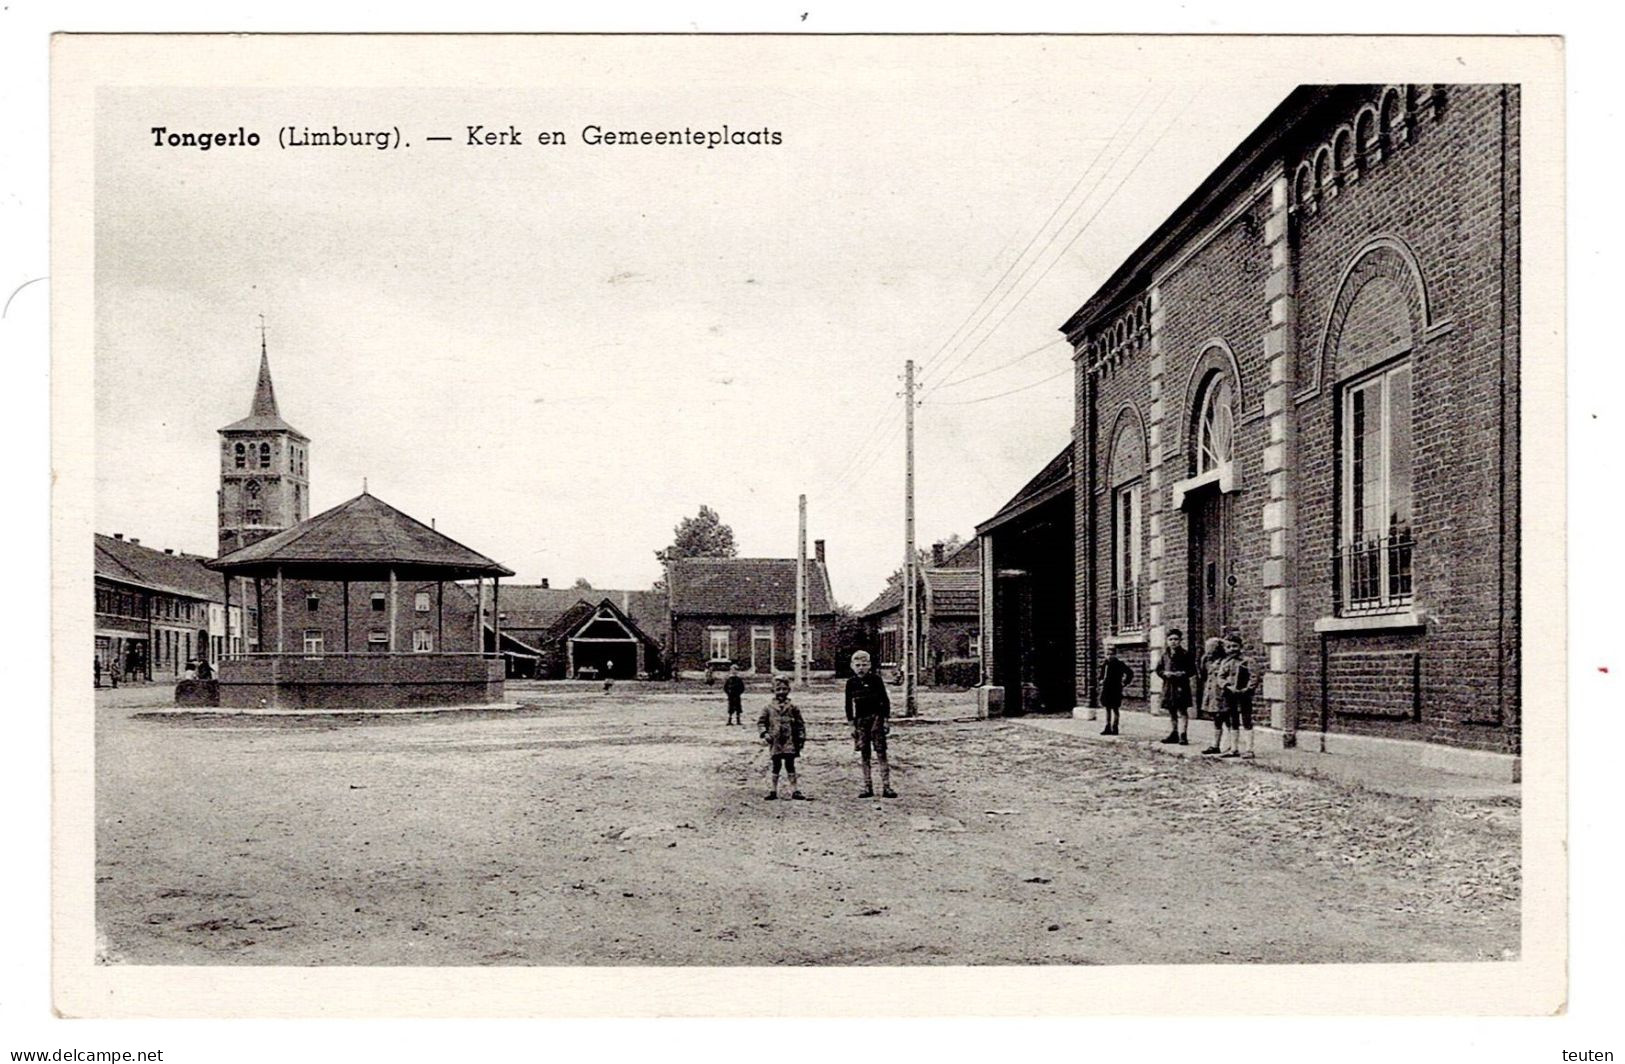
x,y
801,599
910,578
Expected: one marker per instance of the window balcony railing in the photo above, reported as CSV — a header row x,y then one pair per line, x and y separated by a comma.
x,y
1128,609
1373,575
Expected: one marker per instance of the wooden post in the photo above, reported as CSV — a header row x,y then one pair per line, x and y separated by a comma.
x,y
392,606
496,618
440,615
479,610
344,586
259,616
801,595
279,596
226,648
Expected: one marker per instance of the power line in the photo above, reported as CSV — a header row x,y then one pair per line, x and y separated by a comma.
x,y
1079,234
1056,233
1001,395
954,337
1004,365
985,336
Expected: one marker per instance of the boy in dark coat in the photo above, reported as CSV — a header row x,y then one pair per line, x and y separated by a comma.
x,y
868,707
784,733
1176,666
734,688
1114,676
1235,678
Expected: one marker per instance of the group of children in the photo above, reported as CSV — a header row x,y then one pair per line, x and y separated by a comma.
x,y
868,711
1221,683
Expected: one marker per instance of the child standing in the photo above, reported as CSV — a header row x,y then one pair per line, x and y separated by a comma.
x,y
1114,676
1208,697
868,707
734,688
784,733
1175,666
1236,688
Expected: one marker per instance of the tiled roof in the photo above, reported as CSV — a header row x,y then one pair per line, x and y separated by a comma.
x,y
889,599
535,608
1054,478
746,587
954,592
585,609
364,531
180,574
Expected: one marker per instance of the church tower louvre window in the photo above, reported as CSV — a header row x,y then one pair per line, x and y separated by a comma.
x,y
264,476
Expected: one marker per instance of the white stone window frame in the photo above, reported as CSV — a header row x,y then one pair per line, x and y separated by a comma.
x,y
420,602
422,641
315,643
1386,601
719,637
1128,552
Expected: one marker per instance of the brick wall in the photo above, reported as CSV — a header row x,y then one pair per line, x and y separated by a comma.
x,y
455,634
1434,191
1446,195
694,641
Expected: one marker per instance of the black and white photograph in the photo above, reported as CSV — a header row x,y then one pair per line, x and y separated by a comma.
x,y
602,513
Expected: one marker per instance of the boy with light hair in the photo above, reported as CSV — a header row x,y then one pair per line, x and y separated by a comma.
x,y
868,708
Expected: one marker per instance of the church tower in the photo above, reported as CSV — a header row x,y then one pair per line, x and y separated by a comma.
x,y
264,475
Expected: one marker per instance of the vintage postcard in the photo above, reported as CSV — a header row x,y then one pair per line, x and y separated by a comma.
x,y
554,525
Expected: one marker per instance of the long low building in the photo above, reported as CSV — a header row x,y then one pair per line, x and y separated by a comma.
x,y
157,611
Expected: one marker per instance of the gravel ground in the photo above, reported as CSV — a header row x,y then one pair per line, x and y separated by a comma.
x,y
629,828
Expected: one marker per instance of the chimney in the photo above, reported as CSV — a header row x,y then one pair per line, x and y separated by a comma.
x,y
118,536
169,550
818,550
936,554
544,583
134,542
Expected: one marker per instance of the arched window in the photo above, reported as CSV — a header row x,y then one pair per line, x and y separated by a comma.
x,y
1128,501
242,457
265,456
1216,430
253,489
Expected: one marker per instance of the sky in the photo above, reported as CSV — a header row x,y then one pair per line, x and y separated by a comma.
x,y
558,352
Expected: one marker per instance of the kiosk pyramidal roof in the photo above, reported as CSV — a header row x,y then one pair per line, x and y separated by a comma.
x,y
366,533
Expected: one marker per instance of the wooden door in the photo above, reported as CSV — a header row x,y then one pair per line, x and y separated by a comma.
x,y
1211,578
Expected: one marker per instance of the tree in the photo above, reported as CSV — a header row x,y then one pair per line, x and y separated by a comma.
x,y
581,584
923,558
701,536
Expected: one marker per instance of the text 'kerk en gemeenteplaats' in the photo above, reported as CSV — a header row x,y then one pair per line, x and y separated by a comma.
x,y
474,136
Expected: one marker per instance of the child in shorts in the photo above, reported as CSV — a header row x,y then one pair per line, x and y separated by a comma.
x,y
785,733
1236,692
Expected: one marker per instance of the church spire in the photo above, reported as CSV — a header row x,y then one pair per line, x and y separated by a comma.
x,y
264,392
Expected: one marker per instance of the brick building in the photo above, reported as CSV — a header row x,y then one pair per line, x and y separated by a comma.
x,y
264,470
157,610
743,610
544,627
949,622
1028,602
1297,417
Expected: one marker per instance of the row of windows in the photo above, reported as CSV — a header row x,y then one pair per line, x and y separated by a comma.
x,y
377,641
120,603
379,602
720,642
258,456
1374,548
